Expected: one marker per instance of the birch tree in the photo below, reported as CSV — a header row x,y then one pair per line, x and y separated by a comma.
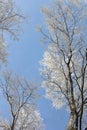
x,y
64,64
20,96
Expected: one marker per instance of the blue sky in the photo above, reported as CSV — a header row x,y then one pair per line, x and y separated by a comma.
x,y
24,57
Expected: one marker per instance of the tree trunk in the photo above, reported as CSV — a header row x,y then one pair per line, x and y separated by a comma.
x,y
76,123
13,125
71,122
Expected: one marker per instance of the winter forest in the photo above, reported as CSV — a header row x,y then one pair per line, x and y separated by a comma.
x,y
43,65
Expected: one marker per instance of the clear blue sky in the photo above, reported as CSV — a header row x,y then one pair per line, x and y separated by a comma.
x,y
24,57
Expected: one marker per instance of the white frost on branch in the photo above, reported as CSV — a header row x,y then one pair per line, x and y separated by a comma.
x,y
29,119
64,64
3,52
21,95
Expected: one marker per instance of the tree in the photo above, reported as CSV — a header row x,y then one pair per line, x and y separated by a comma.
x,y
10,18
18,92
29,119
20,96
64,65
10,25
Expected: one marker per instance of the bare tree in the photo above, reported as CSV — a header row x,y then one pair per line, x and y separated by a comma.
x,y
10,25
10,18
20,95
18,92
64,65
